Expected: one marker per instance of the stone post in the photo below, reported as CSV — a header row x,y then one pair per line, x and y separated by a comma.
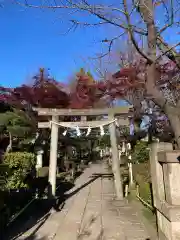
x,y
101,153
131,182
156,170
119,153
116,162
171,173
53,158
39,159
165,175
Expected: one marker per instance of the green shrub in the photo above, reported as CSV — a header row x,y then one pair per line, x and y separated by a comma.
x,y
144,189
141,152
142,177
62,175
143,170
20,165
4,169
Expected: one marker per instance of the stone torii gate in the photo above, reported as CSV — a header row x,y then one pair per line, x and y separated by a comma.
x,y
121,113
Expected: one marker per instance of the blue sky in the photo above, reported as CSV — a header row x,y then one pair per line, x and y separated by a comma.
x,y
31,38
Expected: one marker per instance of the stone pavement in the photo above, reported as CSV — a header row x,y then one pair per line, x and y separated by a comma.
x,y
91,213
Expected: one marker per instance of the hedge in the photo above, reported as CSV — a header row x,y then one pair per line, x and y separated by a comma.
x,y
21,164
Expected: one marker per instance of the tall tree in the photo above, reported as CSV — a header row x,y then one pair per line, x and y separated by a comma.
x,y
131,82
86,92
16,126
139,20
44,91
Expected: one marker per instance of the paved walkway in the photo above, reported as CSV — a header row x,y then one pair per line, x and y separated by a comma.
x,y
91,213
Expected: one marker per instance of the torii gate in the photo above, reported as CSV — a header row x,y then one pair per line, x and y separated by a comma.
x,y
121,112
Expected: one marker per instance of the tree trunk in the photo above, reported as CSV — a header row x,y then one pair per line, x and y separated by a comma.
x,y
175,124
147,10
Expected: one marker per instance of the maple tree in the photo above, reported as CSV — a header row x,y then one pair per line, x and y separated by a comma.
x,y
121,16
46,92
86,92
130,84
18,120
43,92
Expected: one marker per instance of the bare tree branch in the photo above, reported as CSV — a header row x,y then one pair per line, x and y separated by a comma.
x,y
119,17
168,50
92,9
87,24
110,41
171,53
170,16
131,35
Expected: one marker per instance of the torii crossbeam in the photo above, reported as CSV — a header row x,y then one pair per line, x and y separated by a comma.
x,y
121,112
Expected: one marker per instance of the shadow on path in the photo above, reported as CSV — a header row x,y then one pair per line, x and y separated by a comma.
x,y
33,234
93,178
39,210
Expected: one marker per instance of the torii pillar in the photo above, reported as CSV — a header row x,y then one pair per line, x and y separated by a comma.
x,y
53,158
116,161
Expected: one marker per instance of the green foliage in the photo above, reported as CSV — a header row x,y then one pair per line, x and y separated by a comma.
x,y
104,141
20,165
62,175
4,169
144,189
124,131
142,169
142,177
16,122
141,152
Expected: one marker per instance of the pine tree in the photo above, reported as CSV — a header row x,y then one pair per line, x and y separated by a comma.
x,y
16,125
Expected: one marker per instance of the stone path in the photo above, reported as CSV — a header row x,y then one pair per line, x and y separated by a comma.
x,y
91,213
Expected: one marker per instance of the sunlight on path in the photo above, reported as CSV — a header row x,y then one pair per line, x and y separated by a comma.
x,y
92,213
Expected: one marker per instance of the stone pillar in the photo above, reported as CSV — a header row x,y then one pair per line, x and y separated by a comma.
x,y
165,175
157,171
39,159
171,173
119,153
53,158
116,162
131,182
101,153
